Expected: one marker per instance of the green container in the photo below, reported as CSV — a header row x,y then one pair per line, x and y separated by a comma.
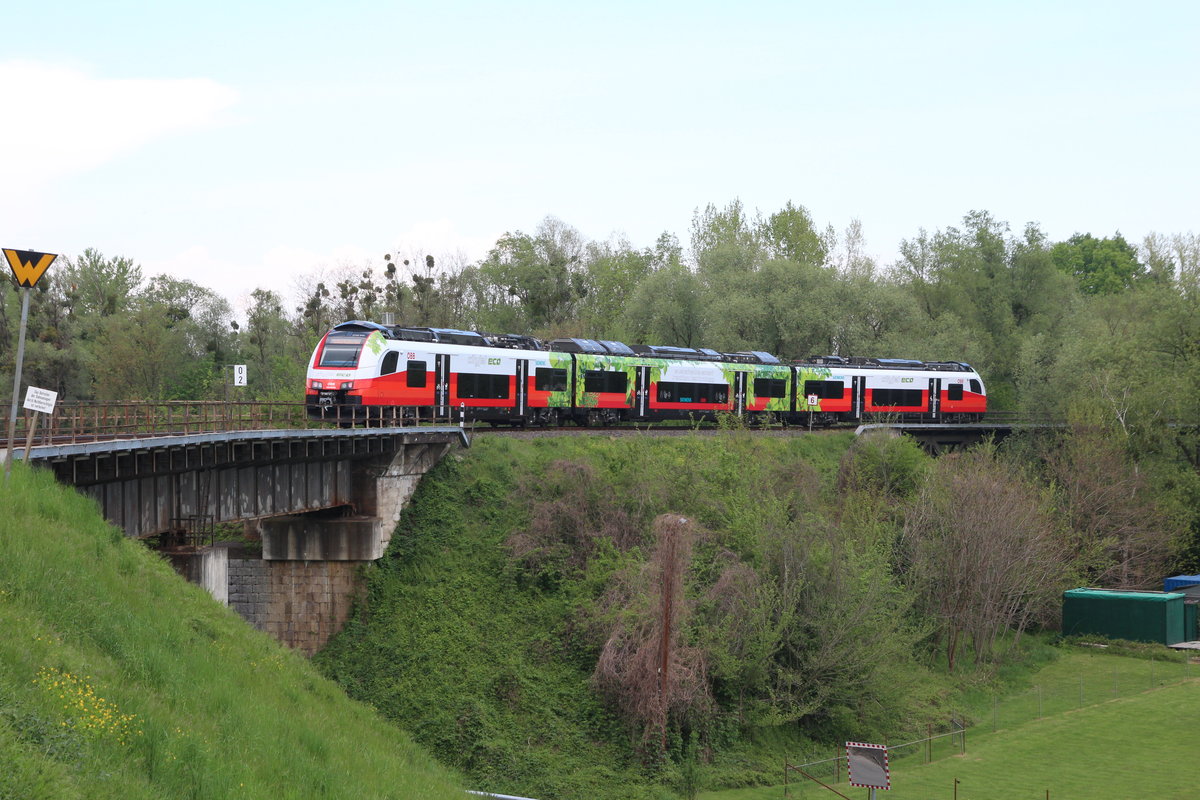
x,y
1136,616
1190,631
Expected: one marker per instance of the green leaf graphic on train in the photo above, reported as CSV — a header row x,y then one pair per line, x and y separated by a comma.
x,y
376,343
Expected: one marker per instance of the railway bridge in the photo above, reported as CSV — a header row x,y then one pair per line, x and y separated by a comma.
x,y
272,520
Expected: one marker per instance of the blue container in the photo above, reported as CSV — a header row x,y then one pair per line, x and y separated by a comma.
x,y
1180,581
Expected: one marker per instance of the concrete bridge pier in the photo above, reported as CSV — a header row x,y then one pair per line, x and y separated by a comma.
x,y
303,587
361,530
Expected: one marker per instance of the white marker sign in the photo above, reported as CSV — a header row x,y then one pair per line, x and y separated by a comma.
x,y
239,374
40,400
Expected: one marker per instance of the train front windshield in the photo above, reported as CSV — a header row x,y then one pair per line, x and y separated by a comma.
x,y
341,351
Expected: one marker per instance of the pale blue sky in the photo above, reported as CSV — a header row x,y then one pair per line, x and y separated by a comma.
x,y
244,143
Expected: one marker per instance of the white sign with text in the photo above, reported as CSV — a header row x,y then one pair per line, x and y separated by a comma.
x,y
40,400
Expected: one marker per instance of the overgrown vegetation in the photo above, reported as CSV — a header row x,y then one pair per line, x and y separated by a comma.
x,y
614,617
120,680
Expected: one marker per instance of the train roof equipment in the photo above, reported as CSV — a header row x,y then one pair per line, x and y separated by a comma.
x,y
573,345
363,325
617,348
514,341
518,341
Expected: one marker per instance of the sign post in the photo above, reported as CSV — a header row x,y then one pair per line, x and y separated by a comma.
x,y
39,401
27,266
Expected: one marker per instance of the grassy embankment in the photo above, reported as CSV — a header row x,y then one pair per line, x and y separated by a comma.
x,y
120,680
488,658
489,662
1125,736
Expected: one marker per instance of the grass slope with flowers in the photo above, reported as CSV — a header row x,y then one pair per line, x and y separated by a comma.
x,y
120,680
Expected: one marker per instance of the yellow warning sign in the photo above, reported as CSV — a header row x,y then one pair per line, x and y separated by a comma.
x,y
27,265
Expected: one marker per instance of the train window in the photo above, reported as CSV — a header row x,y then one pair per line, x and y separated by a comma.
x,y
908,398
416,374
674,392
954,391
482,386
770,387
826,390
596,380
975,387
341,351
390,360
550,380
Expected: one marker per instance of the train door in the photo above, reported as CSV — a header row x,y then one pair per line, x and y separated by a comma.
x,y
441,384
641,392
739,393
522,385
858,392
935,397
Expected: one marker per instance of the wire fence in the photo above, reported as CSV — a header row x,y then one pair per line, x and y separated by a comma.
x,y
1054,694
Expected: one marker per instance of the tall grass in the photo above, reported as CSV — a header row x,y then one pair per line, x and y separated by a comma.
x,y
118,679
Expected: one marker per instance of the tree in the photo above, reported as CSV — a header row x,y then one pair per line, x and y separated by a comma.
x,y
142,356
613,271
1101,266
1120,536
790,234
274,356
536,282
666,308
99,286
645,666
199,313
725,240
981,553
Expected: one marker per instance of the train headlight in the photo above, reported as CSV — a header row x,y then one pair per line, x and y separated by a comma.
x,y
347,385
317,385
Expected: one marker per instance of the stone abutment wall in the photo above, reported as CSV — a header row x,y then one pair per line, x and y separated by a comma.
x,y
300,587
299,603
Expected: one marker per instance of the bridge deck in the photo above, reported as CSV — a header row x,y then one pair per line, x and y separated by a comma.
x,y
56,452
159,484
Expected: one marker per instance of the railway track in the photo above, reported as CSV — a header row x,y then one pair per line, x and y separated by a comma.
x,y
82,423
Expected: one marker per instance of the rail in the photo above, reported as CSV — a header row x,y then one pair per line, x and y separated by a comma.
x,y
76,422
73,423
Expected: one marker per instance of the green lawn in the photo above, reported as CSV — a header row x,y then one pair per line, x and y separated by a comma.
x,y
1138,745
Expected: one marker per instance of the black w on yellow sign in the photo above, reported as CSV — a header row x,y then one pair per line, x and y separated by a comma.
x,y
27,265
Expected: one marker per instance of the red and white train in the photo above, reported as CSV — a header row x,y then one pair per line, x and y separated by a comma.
x,y
365,370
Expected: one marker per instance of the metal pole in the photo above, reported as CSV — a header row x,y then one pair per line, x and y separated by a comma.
x,y
29,435
12,414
